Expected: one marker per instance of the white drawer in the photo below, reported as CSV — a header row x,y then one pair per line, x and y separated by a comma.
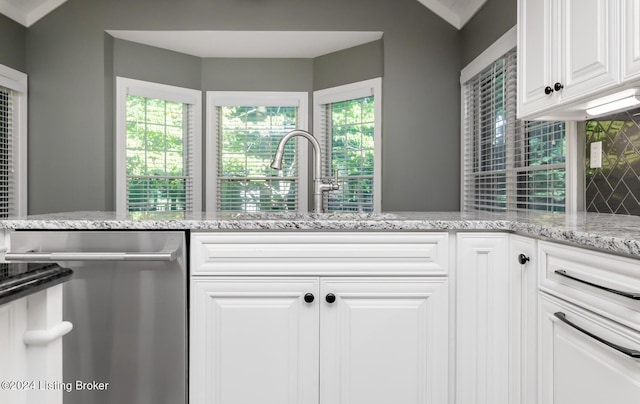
x,y
327,253
604,283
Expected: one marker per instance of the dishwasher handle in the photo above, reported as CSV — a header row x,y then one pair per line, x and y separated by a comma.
x,y
91,256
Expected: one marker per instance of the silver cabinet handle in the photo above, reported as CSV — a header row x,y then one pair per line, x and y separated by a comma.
x,y
629,295
632,353
43,337
91,256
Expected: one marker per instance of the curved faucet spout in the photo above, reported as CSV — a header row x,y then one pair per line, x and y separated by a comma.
x,y
319,186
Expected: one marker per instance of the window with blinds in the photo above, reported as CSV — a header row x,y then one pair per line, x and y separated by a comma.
x,y
158,168
247,139
348,126
349,146
13,142
244,129
508,164
158,154
7,186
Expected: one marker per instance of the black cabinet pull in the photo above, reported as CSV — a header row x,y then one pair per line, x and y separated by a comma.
x,y
629,295
632,353
523,259
548,90
308,297
558,86
330,298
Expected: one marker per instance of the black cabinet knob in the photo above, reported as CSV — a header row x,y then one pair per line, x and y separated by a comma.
x,y
308,297
523,259
558,86
548,90
330,298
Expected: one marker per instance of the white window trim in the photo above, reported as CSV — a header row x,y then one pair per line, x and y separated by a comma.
x,y
504,44
351,91
126,86
248,98
17,81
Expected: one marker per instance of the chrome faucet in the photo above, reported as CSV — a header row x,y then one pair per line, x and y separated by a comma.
x,y
319,184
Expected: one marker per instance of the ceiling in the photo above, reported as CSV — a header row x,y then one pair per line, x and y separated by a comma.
x,y
27,12
250,44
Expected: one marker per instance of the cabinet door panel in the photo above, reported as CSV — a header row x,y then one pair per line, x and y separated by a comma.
x,y
483,320
631,39
384,341
536,21
13,365
254,341
575,368
524,330
589,48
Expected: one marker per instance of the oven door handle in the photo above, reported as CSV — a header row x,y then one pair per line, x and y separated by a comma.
x,y
91,256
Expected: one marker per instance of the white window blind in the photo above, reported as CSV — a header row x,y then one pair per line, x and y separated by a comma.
x,y
7,135
159,155
158,163
247,130
508,164
348,127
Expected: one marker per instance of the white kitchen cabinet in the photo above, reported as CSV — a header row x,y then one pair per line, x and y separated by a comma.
x,y
523,298
568,50
369,337
381,340
631,39
254,340
483,318
384,340
30,349
576,367
13,366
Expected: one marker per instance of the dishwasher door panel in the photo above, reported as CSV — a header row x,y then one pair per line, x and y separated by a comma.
x,y
129,317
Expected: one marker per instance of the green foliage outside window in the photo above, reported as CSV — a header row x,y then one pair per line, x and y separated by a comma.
x,y
155,154
352,154
544,189
248,139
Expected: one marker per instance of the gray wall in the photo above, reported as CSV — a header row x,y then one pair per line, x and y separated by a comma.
x,y
349,65
491,22
12,44
71,112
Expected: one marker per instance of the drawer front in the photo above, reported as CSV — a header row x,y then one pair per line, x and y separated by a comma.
x,y
319,253
604,283
585,358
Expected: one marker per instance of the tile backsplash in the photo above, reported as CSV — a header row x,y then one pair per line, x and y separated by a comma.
x,y
615,187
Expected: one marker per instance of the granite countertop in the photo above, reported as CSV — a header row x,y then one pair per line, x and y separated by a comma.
x,y
618,234
19,280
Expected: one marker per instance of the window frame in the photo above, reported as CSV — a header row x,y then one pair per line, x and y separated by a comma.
x,y
360,89
18,83
500,47
214,99
126,86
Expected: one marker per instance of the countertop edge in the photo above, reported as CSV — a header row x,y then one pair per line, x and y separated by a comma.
x,y
613,233
33,283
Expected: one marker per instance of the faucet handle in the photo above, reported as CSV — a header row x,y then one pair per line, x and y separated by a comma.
x,y
334,181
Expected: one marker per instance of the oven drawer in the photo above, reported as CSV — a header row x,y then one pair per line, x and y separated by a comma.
x,y
604,283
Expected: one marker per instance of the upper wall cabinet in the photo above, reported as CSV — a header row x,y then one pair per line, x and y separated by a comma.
x,y
631,39
569,51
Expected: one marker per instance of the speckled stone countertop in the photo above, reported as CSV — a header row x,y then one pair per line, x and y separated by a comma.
x,y
618,234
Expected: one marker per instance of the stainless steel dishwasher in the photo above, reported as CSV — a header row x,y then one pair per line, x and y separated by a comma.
x,y
127,301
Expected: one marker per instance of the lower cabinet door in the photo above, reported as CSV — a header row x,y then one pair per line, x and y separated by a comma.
x,y
577,365
254,340
384,340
